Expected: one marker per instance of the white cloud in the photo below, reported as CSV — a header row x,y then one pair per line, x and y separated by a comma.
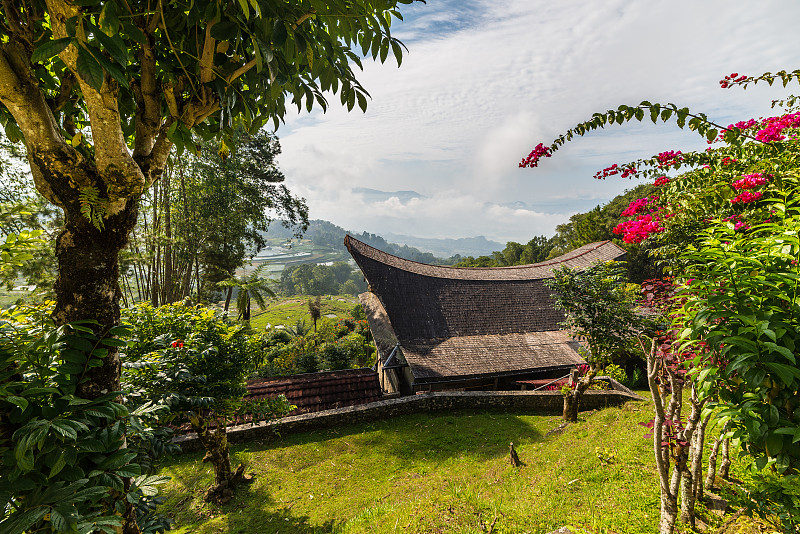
x,y
484,81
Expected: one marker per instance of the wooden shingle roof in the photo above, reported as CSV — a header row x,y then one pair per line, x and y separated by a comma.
x,y
471,322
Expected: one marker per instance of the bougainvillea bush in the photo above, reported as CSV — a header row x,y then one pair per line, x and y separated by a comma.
x,y
724,223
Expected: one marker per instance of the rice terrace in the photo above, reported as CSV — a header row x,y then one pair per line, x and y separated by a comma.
x,y
399,266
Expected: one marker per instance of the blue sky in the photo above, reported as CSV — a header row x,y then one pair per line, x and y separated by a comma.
x,y
485,81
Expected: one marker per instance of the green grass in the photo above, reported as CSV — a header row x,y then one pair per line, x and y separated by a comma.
x,y
435,473
290,310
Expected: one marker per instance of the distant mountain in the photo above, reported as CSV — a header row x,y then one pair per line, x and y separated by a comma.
x,y
421,249
375,195
445,248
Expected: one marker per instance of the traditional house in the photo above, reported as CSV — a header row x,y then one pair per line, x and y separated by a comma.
x,y
438,327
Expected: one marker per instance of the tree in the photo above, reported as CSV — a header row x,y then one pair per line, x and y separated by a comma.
x,y
250,287
600,311
100,92
315,310
193,361
186,237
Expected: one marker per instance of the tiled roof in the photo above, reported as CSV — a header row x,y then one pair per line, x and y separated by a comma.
x,y
453,322
314,392
496,355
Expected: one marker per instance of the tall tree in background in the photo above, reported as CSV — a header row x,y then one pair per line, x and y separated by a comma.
x,y
206,217
100,92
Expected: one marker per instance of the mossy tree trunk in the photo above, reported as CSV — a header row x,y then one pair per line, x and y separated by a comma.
x,y
215,442
572,398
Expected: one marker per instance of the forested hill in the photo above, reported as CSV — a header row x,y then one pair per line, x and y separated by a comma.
x,y
327,234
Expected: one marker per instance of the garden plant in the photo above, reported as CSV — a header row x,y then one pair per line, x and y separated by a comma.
x,y
723,222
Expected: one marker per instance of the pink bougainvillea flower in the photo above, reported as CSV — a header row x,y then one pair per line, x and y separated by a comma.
x,y
746,197
749,181
669,158
532,160
773,127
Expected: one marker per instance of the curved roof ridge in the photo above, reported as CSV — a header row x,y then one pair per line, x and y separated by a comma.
x,y
579,258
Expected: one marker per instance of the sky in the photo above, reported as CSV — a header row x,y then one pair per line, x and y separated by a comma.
x,y
483,81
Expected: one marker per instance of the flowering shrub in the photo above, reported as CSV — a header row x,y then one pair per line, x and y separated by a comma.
x,y
729,227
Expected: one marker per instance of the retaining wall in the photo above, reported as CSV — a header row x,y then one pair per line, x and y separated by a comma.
x,y
539,402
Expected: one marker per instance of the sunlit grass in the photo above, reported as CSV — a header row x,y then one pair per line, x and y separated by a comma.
x,y
436,473
292,309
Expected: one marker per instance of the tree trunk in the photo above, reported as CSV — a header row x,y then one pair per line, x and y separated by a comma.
x,y
571,404
167,280
572,398
712,463
228,298
87,286
725,465
246,311
218,453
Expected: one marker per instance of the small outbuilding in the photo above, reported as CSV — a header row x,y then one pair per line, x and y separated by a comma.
x,y
444,328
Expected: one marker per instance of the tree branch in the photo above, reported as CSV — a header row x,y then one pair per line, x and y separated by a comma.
x,y
20,93
121,175
304,17
207,56
241,70
148,102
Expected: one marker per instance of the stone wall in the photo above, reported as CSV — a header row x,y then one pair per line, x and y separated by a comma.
x,y
539,402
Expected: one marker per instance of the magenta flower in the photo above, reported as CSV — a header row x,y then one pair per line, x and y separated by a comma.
x,y
746,197
532,160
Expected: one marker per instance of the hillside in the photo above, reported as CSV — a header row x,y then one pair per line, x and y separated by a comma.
x,y
329,237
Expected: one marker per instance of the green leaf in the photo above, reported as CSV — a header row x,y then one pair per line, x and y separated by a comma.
x,y
108,21
785,372
245,8
19,401
79,343
58,521
133,31
89,69
49,49
19,523
782,350
225,30
115,46
279,34
58,465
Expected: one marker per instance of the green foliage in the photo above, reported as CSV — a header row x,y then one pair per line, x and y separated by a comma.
x,y
249,288
742,303
65,463
340,345
616,372
189,358
93,207
339,278
600,309
249,57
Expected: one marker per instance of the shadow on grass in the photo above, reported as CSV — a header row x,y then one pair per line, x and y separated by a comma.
x,y
251,511
432,436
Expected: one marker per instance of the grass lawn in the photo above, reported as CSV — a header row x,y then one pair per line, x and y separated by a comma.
x,y
290,310
435,473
